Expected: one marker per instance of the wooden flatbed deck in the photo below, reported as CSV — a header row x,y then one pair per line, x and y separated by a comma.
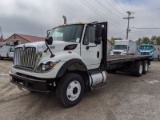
x,y
125,58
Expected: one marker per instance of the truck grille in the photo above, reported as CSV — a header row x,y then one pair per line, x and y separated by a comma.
x,y
116,53
25,58
144,53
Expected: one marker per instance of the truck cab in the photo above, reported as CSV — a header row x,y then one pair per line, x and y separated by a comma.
x,y
123,47
146,49
70,61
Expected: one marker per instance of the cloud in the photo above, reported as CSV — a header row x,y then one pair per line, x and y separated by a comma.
x,y
36,16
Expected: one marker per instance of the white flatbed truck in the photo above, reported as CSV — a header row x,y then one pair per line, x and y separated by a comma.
x,y
72,60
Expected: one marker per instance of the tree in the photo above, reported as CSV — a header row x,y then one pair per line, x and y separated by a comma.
x,y
113,40
139,41
153,39
158,40
146,40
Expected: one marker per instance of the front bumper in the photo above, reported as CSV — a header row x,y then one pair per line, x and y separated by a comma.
x,y
31,83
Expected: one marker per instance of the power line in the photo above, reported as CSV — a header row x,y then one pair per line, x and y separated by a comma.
x,y
119,5
114,7
95,10
147,10
128,18
105,7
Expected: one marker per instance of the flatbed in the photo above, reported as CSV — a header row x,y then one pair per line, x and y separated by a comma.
x,y
125,62
125,58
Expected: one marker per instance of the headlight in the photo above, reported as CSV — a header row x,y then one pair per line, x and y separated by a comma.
x,y
46,66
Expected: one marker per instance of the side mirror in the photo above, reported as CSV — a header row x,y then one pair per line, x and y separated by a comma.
x,y
48,32
98,34
98,41
49,40
158,49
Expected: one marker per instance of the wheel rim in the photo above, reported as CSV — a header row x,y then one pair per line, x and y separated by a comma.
x,y
140,69
146,67
73,90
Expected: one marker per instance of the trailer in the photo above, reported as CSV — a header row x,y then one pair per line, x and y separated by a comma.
x,y
72,60
124,47
5,50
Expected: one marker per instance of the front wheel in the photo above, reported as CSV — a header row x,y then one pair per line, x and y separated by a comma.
x,y
70,89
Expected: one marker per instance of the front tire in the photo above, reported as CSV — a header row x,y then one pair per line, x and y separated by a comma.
x,y
70,89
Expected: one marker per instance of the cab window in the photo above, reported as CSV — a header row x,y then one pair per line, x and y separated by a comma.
x,y
89,35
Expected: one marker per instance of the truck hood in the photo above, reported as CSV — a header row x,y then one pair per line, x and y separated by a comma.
x,y
57,46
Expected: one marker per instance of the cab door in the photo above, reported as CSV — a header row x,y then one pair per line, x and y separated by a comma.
x,y
90,52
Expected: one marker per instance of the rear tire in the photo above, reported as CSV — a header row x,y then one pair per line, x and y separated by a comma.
x,y
145,67
70,89
111,71
138,69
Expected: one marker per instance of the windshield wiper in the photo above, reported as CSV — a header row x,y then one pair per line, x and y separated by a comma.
x,y
48,48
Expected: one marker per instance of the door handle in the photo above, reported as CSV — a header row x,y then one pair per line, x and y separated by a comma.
x,y
97,54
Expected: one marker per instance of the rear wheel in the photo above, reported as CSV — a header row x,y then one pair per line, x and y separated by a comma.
x,y
138,69
112,71
70,89
145,67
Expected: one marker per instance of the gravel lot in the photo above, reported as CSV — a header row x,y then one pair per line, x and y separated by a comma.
x,y
123,98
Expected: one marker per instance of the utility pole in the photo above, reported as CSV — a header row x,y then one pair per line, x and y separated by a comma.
x,y
1,32
128,18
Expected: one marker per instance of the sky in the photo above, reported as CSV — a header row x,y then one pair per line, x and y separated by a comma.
x,y
34,17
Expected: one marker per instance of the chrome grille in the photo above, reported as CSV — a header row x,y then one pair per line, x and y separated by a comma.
x,y
116,53
144,53
25,58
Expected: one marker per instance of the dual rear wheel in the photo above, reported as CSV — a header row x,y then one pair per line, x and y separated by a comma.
x,y
140,68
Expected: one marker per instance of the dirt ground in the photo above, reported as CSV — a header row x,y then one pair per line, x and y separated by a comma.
x,y
124,97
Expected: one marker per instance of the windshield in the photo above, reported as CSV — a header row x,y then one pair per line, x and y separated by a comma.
x,y
120,47
11,49
146,47
70,33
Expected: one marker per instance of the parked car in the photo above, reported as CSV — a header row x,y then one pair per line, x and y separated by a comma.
x,y
159,54
146,49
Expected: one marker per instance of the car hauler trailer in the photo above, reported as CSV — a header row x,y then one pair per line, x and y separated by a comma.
x,y
72,60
